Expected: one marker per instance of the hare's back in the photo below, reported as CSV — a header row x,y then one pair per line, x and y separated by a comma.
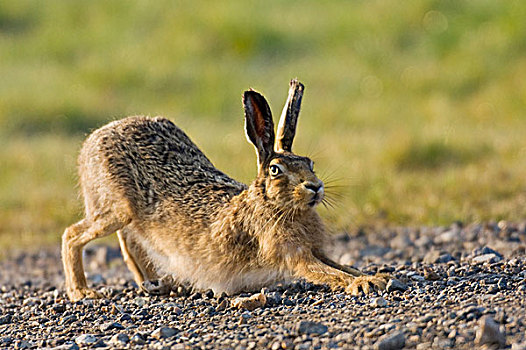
x,y
153,163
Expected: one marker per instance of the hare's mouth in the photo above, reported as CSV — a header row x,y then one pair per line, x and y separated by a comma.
x,y
316,199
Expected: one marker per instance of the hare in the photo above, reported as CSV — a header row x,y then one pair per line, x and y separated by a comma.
x,y
176,215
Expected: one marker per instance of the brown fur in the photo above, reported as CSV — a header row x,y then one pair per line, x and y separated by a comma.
x,y
176,215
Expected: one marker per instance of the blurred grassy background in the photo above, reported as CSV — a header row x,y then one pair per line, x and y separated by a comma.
x,y
415,109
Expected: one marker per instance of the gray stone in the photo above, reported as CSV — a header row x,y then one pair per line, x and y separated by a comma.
x,y
59,308
486,258
488,250
445,258
431,257
111,325
394,285
448,236
86,339
489,332
5,319
138,339
309,327
120,339
67,346
518,346
378,302
391,341
164,332
23,344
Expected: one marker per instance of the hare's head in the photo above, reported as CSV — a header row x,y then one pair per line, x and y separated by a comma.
x,y
286,180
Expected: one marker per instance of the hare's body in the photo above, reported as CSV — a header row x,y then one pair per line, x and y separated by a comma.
x,y
176,215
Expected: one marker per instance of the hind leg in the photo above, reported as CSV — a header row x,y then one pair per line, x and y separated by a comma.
x,y
73,241
136,257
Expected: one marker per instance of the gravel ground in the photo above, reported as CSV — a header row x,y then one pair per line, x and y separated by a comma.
x,y
458,287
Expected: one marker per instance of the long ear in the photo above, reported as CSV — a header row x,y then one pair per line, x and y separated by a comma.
x,y
259,126
289,117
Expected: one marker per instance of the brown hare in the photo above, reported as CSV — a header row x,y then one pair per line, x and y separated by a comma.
x,y
176,215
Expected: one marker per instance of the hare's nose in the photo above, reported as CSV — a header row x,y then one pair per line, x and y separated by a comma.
x,y
313,187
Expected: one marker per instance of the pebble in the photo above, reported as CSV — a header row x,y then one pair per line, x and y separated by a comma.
x,y
378,302
518,346
252,302
111,325
138,339
489,332
310,327
396,285
120,339
164,332
5,319
486,258
391,341
86,339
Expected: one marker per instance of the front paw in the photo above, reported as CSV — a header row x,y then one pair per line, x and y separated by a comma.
x,y
83,293
368,283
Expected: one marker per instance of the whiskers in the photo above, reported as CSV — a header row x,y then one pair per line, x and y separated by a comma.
x,y
334,192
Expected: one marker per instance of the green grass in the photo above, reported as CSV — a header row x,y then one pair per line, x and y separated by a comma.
x,y
417,110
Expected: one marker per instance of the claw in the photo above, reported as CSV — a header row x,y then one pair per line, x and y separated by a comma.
x,y
83,293
368,283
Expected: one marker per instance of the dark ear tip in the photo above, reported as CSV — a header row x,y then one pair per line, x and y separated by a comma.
x,y
252,94
296,82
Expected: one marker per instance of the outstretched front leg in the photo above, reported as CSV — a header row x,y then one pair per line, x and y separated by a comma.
x,y
317,268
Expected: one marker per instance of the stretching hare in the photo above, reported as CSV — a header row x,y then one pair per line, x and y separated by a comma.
x,y
176,215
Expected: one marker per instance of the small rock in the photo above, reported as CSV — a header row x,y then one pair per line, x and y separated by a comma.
x,y
488,250
287,344
58,308
394,285
401,242
310,327
488,332
138,339
518,346
164,332
69,319
430,274
6,341
111,325
86,339
120,339
431,257
23,344
424,346
486,258
5,319
391,341
140,302
222,305
100,344
417,277
287,302
250,303
445,258
67,346
274,298
209,293
378,302
448,236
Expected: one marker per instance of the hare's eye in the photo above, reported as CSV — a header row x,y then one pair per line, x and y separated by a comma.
x,y
275,170
311,165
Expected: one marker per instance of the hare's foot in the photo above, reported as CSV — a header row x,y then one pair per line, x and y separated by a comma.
x,y
158,287
368,283
83,293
